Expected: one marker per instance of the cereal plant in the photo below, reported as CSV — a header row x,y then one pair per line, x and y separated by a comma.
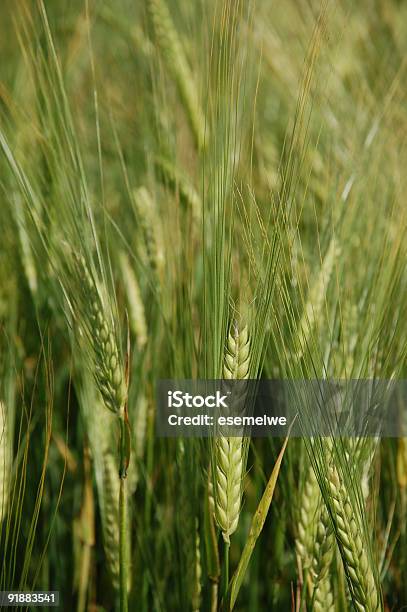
x,y
203,195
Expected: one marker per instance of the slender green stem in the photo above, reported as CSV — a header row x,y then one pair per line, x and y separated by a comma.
x,y
303,591
84,578
214,596
123,545
226,570
123,535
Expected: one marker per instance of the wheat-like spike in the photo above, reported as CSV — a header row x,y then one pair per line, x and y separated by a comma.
x,y
110,518
137,318
316,296
146,215
99,423
108,369
4,461
315,542
229,451
229,473
310,503
181,186
324,597
237,358
174,57
361,580
323,550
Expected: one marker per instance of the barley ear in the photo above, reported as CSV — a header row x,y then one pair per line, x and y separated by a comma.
x,y
108,369
137,317
315,543
149,225
361,580
313,307
176,62
230,451
310,502
323,549
181,187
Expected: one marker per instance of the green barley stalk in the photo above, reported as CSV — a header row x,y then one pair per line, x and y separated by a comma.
x,y
110,520
197,572
176,62
256,527
4,461
86,535
188,524
109,375
211,545
315,542
99,424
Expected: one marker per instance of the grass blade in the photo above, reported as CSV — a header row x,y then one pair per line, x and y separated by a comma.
x,y
255,529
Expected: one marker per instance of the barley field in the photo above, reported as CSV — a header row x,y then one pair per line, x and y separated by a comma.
x,y
199,190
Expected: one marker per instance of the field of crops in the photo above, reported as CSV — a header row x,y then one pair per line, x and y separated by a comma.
x,y
199,189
